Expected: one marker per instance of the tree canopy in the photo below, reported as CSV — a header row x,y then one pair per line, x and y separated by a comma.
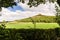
x,y
8,3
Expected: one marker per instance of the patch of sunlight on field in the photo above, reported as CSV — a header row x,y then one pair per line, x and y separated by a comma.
x,y
30,25
19,25
47,25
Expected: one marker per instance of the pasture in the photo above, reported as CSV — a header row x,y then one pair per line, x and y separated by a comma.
x,y
29,25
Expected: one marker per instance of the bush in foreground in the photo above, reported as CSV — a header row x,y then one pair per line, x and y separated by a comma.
x,y
29,34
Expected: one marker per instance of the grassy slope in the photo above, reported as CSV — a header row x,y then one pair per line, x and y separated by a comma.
x,y
39,18
26,24
30,25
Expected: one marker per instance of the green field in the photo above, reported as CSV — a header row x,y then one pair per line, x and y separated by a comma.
x,y
30,25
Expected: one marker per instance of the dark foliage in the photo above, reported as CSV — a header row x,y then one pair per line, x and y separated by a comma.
x,y
58,15
7,3
29,34
35,3
58,1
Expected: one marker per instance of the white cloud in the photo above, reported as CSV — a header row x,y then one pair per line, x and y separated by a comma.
x,y
44,9
11,16
48,8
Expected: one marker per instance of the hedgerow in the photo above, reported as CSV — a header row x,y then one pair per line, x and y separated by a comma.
x,y
29,34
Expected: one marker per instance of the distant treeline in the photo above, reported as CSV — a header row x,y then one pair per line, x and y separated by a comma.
x,y
30,34
39,18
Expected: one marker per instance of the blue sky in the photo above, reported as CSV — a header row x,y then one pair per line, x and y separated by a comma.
x,y
16,8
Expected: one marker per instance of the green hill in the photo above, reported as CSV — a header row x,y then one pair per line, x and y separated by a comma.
x,y
39,18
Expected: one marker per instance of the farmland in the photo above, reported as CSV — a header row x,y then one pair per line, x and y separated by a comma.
x,y
42,22
28,25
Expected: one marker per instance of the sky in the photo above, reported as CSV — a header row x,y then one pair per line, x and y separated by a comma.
x,y
22,11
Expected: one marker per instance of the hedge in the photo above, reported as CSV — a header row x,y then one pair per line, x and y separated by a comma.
x,y
29,34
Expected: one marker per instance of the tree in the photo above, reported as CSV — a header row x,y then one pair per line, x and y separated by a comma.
x,y
34,22
58,15
58,1
58,12
8,3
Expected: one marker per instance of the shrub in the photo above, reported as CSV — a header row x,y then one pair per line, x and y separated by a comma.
x,y
29,34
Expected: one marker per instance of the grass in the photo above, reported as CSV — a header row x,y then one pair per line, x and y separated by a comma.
x,y
47,25
30,25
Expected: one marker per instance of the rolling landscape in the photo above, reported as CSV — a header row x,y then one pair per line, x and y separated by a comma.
x,y
29,19
42,22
